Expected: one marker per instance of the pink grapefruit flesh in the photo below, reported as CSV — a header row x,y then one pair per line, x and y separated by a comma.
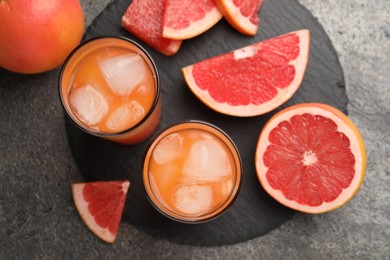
x,y
184,19
311,158
253,80
144,19
241,14
100,205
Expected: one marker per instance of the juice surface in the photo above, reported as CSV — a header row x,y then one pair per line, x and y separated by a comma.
x,y
192,172
116,107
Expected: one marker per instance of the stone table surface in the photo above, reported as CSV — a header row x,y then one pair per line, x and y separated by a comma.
x,y
39,221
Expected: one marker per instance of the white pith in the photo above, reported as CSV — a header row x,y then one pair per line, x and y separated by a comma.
x,y
355,147
309,158
254,110
89,220
196,27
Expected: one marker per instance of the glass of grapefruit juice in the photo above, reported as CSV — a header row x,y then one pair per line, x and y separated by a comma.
x,y
109,86
192,172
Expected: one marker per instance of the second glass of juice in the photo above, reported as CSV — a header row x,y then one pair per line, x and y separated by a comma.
x,y
192,172
110,88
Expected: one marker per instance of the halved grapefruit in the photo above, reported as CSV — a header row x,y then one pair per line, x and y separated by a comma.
x,y
144,19
241,14
184,19
253,80
311,158
100,205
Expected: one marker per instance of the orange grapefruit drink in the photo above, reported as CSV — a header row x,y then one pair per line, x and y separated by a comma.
x,y
109,86
192,172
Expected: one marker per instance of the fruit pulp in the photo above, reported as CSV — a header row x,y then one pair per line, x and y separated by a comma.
x,y
192,172
110,88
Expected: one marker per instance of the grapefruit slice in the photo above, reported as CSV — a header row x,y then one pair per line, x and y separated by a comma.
x,y
184,19
100,205
253,80
241,14
311,158
144,19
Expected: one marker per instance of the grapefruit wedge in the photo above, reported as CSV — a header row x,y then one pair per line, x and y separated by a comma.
x,y
253,80
100,205
241,14
311,158
144,19
184,19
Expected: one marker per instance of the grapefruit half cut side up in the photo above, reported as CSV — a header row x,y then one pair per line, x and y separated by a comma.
x,y
144,19
252,80
100,205
241,14
311,158
184,19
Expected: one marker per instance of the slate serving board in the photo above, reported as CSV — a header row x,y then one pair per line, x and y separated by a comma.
x,y
254,213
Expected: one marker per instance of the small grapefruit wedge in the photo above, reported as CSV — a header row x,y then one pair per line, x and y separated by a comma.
x,y
253,80
144,19
100,205
311,158
241,14
184,19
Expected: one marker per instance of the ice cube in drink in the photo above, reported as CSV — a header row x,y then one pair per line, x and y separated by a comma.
x,y
168,149
88,104
123,73
207,161
127,114
192,198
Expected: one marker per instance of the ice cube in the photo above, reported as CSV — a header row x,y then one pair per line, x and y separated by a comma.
x,y
168,149
123,73
88,104
207,161
125,116
144,90
193,199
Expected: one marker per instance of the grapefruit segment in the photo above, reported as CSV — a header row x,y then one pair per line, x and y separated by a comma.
x,y
252,80
311,158
144,19
241,14
184,19
100,205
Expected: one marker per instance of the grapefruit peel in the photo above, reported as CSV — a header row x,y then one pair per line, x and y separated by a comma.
x,y
250,110
344,124
82,207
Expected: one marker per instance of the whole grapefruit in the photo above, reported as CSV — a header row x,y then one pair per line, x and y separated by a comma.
x,y
38,35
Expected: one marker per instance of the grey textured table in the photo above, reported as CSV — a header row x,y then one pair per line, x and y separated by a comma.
x,y
37,216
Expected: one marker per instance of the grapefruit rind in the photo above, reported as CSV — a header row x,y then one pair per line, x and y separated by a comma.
x,y
82,207
196,28
251,110
345,125
233,15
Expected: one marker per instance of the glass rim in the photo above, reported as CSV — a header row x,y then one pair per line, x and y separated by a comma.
x,y
238,165
88,129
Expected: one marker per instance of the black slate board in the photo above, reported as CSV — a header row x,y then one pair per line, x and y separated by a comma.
x,y
254,212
